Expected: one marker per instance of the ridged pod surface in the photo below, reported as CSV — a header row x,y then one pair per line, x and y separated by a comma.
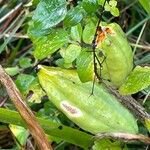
x,y
115,47
100,112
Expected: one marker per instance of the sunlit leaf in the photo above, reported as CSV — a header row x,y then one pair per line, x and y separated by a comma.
x,y
20,133
61,63
48,14
106,144
88,32
113,3
12,70
74,16
46,45
138,80
85,65
76,32
71,53
25,62
147,123
90,6
114,11
101,2
23,81
146,5
35,92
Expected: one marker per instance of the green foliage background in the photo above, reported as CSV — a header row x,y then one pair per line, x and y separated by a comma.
x,y
59,33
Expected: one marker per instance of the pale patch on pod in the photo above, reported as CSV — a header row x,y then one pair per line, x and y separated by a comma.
x,y
70,110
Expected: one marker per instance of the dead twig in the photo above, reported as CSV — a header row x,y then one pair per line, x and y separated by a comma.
x,y
126,137
2,102
145,47
10,18
27,115
130,103
10,13
17,35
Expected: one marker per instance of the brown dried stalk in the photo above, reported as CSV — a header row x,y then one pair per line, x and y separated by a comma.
x,y
130,103
124,136
26,114
138,111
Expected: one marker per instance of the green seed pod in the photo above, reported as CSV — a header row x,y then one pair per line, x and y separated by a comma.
x,y
119,59
100,112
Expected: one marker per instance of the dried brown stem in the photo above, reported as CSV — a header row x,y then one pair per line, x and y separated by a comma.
x,y
145,47
17,35
124,136
130,103
10,18
26,114
10,13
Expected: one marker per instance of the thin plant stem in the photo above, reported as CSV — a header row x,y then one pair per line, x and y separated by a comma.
x,y
146,47
146,97
140,35
12,24
16,36
94,44
10,13
12,33
138,25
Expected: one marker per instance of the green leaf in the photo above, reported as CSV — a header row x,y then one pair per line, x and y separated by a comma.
x,y
85,65
106,144
107,7
49,111
71,53
146,5
35,30
88,32
147,124
74,16
48,14
114,11
76,32
111,7
67,65
46,45
113,3
12,70
35,92
65,133
23,81
101,2
61,63
25,62
20,133
138,80
90,6
35,2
